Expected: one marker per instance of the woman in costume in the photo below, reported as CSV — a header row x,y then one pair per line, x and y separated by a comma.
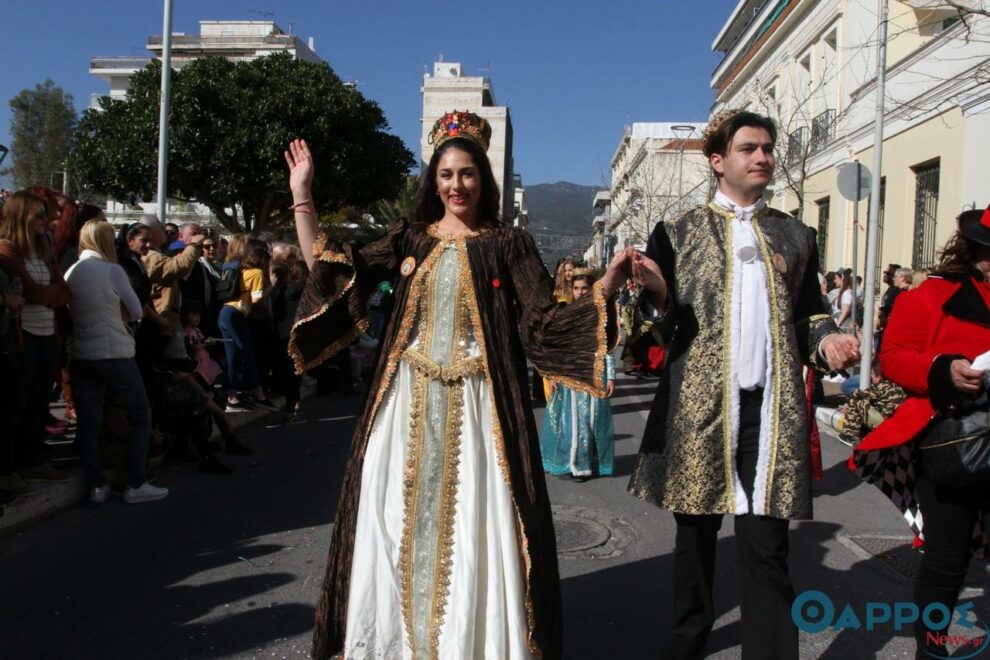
x,y
577,437
933,335
443,542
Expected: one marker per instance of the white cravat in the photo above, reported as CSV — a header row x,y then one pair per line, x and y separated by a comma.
x,y
754,309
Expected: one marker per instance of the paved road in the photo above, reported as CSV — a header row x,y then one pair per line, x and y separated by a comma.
x,y
230,566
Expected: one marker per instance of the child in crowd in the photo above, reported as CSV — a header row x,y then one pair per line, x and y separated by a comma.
x,y
206,368
577,438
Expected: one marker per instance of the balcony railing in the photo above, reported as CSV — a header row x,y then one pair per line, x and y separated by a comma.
x,y
822,130
796,143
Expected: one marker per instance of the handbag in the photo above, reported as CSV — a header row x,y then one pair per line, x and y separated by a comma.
x,y
954,451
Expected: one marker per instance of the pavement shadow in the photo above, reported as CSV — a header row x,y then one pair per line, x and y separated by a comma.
x,y
624,611
211,571
835,481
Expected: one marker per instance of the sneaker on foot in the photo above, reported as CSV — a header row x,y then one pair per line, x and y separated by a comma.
x,y
44,472
238,405
99,494
293,418
147,492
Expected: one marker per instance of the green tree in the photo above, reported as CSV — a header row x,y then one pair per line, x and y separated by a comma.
x,y
41,125
403,206
230,123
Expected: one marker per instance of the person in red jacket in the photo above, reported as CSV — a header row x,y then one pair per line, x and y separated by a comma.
x,y
933,335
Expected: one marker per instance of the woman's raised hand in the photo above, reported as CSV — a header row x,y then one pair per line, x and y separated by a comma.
x,y
301,170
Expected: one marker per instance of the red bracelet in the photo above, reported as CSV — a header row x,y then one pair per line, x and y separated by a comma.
x,y
302,203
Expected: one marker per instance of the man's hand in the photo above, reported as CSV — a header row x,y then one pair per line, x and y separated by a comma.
x,y
616,274
647,274
966,379
609,389
840,350
197,239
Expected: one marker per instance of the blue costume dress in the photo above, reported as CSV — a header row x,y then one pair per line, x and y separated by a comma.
x,y
577,436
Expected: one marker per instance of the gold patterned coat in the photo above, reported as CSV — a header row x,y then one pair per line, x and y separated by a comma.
x,y
514,316
686,461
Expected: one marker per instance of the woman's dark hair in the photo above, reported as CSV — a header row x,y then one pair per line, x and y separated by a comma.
x,y
72,220
256,258
429,206
718,141
957,258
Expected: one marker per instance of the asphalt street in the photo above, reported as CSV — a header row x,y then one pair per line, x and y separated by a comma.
x,y
230,566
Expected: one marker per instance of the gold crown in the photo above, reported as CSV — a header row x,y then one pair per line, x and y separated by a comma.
x,y
584,272
461,124
715,122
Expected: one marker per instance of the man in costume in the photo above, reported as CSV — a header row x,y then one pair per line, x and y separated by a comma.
x,y
733,295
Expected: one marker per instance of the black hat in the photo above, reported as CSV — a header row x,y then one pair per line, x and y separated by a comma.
x,y
975,225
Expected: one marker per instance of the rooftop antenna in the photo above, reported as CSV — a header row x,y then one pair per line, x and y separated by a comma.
x,y
487,68
441,58
263,14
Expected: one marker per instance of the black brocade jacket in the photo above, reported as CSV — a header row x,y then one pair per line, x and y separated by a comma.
x,y
686,458
516,317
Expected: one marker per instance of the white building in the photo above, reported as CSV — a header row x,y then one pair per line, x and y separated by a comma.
x,y
448,89
238,41
658,171
812,67
600,250
520,208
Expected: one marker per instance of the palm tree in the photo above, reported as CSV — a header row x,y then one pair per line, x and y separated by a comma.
x,y
402,206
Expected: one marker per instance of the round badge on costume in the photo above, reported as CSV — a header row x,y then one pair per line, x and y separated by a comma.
x,y
407,267
780,263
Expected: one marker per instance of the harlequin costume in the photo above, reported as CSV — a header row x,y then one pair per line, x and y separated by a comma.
x,y
443,542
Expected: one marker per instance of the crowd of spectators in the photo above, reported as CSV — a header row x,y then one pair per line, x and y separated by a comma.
x,y
152,334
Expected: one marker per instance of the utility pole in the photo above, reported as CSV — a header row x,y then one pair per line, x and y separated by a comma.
x,y
869,302
163,112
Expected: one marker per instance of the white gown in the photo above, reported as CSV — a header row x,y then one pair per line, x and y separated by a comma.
x,y
437,569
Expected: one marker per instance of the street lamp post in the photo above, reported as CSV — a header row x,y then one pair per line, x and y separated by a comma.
x,y
683,132
163,111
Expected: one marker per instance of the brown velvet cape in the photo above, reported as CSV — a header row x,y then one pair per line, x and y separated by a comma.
x,y
518,318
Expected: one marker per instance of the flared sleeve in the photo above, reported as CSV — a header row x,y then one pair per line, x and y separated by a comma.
x,y
567,342
333,309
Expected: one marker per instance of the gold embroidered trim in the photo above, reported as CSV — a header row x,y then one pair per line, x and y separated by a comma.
x,y
410,315
601,350
416,435
479,334
434,231
319,243
534,648
453,430
729,215
458,370
775,343
727,357
448,510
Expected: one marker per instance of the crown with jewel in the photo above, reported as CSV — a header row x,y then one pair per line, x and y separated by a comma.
x,y
585,272
463,125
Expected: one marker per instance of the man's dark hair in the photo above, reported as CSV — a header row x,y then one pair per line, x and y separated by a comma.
x,y
718,140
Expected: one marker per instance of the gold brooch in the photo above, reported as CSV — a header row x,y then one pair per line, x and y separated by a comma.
x,y
407,267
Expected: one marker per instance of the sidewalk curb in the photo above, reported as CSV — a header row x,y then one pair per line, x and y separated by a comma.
x,y
48,498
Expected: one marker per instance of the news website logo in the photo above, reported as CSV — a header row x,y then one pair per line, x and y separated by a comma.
x,y
814,612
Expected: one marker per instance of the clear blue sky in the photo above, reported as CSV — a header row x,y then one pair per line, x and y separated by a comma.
x,y
573,72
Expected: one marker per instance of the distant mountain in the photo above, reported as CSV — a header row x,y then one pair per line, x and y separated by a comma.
x,y
560,218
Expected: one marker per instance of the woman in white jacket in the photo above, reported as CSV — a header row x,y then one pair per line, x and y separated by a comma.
x,y
102,353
